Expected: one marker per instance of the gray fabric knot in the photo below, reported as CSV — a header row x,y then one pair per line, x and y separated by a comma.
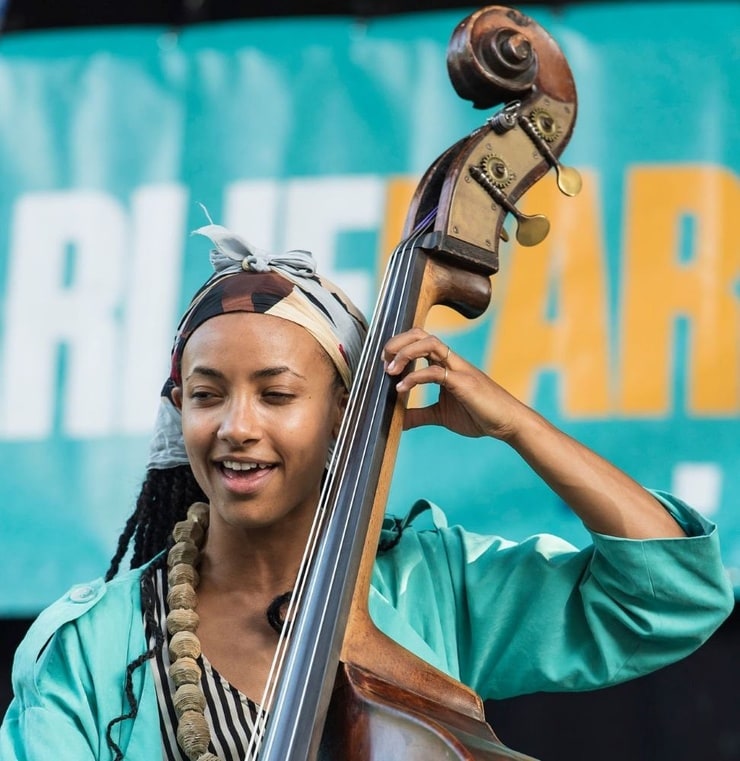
x,y
232,253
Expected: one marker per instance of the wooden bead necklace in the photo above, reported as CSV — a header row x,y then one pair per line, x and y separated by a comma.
x,y
193,733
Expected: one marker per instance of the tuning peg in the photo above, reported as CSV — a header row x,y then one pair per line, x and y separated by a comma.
x,y
530,230
569,179
541,129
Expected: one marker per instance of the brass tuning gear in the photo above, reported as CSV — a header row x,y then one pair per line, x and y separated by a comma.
x,y
542,128
544,124
497,170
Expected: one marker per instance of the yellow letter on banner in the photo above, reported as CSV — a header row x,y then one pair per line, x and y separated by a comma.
x,y
666,277
566,270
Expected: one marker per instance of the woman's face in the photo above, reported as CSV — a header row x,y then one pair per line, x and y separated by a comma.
x,y
260,407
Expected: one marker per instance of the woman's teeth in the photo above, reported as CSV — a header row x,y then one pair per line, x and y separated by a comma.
x,y
234,465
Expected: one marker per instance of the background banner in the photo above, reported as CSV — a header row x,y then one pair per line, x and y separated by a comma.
x,y
623,327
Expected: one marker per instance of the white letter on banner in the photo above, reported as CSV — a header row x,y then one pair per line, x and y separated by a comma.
x,y
63,287
312,213
153,281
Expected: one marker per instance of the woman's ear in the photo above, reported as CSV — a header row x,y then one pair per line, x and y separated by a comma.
x,y
176,396
342,398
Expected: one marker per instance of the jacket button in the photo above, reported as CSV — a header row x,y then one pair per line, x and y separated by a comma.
x,y
83,593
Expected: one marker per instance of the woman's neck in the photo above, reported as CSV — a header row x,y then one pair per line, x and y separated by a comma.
x,y
262,561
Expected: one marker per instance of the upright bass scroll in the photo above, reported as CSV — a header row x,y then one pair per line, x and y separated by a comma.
x,y
497,55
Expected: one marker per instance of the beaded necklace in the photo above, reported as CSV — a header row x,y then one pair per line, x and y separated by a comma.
x,y
193,734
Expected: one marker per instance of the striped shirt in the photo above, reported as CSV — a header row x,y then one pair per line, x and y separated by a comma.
x,y
231,715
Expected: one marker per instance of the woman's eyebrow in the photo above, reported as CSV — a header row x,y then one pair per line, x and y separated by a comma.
x,y
204,370
271,372
265,372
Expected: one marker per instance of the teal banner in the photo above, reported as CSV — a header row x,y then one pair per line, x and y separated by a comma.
x,y
622,327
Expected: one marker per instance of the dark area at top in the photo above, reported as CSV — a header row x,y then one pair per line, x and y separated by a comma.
x,y
42,14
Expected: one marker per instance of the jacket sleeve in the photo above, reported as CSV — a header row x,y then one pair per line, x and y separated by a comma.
x,y
541,616
51,714
69,678
512,618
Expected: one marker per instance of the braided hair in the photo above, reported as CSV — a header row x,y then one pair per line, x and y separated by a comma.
x,y
163,500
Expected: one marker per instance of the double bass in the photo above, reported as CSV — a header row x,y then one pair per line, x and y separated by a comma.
x,y
340,688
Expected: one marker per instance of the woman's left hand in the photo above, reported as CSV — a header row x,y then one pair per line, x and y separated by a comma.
x,y
470,403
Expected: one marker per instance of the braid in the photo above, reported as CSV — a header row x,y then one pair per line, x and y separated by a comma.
x,y
164,499
148,602
123,542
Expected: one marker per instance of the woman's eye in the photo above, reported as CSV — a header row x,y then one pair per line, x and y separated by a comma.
x,y
201,395
278,397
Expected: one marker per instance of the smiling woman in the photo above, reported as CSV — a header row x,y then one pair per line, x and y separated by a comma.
x,y
262,365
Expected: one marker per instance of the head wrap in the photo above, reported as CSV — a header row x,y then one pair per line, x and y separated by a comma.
x,y
247,279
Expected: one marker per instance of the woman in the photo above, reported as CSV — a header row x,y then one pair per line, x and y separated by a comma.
x,y
261,368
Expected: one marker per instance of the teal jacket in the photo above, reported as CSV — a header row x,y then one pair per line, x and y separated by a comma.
x,y
505,618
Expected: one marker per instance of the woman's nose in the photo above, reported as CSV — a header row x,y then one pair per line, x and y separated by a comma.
x,y
239,423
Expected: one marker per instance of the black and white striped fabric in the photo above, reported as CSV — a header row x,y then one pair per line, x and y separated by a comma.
x,y
231,716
